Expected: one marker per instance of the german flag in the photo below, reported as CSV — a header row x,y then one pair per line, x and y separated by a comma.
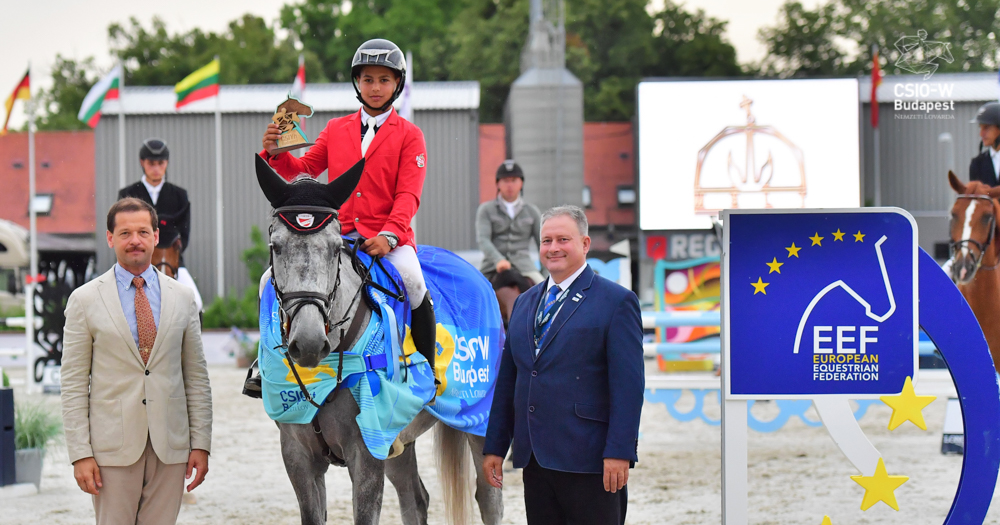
x,y
22,92
199,85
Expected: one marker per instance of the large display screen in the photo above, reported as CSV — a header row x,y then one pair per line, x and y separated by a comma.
x,y
705,146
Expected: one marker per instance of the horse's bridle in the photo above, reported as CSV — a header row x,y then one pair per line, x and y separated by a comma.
x,y
162,263
289,303
981,247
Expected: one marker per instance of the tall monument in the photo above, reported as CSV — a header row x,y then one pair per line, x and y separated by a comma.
x,y
544,117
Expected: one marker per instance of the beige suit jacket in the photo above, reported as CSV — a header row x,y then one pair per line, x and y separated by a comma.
x,y
111,401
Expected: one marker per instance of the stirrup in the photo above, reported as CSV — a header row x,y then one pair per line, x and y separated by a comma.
x,y
252,386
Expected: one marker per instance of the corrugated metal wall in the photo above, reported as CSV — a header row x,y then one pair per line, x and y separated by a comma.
x,y
915,162
446,217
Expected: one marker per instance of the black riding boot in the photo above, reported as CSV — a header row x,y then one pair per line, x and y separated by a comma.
x,y
252,386
424,327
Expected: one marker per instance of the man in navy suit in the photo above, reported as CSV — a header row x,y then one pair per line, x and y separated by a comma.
x,y
570,386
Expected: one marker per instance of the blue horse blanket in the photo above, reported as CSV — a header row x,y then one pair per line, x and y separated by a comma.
x,y
469,341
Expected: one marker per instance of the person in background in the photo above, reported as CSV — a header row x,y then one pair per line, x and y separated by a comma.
x,y
985,167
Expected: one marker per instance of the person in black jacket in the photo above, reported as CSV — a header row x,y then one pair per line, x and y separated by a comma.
x,y
985,167
168,199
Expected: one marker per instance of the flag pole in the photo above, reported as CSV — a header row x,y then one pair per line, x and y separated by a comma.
x,y
122,179
30,283
219,273
877,153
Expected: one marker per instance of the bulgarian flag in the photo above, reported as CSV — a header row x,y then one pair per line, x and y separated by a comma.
x,y
21,92
199,85
105,89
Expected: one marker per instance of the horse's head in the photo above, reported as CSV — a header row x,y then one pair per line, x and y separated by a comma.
x,y
305,248
974,228
167,254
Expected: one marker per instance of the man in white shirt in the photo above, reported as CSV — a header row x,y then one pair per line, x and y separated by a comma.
x,y
985,167
505,227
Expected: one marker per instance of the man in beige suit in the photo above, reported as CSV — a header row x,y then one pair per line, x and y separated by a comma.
x,y
137,406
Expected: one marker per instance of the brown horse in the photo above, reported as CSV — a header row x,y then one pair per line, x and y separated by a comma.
x,y
167,257
508,285
976,255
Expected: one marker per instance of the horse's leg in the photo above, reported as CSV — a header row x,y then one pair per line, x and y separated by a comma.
x,y
305,465
490,499
404,476
342,435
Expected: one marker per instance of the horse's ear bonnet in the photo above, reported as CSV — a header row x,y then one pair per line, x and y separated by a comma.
x,y
280,193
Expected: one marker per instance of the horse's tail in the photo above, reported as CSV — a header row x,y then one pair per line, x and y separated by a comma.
x,y
453,464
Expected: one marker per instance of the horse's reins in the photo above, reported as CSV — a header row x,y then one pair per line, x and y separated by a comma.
x,y
981,247
290,303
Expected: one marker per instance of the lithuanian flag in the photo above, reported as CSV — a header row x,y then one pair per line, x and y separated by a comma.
x,y
23,92
199,85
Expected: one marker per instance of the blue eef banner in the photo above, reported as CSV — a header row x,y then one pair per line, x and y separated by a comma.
x,y
820,303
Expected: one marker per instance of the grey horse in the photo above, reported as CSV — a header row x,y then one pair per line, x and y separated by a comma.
x,y
314,273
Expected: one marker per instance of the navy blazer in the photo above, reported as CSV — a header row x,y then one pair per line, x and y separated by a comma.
x,y
981,169
579,400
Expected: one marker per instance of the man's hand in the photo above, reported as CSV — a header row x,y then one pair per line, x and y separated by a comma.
x,y
503,265
615,474
493,470
271,137
197,460
88,475
377,246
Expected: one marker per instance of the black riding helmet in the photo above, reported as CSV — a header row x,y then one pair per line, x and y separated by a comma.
x,y
509,168
154,149
988,114
379,52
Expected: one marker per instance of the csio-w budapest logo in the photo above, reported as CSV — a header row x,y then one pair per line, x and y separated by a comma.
x,y
305,220
821,302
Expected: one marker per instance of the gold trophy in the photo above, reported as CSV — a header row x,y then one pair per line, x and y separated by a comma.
x,y
287,117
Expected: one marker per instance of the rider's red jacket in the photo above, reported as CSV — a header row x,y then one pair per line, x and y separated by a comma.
x,y
388,195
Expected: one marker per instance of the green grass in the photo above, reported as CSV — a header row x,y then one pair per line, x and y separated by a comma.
x,y
36,424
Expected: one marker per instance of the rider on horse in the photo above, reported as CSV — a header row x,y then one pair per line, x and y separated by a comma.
x,y
169,200
387,197
504,229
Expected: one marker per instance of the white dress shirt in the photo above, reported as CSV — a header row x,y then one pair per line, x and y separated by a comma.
x,y
995,157
512,207
154,191
379,120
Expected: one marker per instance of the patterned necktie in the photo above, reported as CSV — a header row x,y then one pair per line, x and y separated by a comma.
x,y
144,319
548,312
369,136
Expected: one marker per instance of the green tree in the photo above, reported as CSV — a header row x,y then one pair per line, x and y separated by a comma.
x,y
333,30
59,105
487,37
837,38
249,53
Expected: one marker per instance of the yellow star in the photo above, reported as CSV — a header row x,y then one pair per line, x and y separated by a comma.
x,y
838,235
859,237
879,487
774,265
793,251
308,375
826,521
907,406
759,286
816,238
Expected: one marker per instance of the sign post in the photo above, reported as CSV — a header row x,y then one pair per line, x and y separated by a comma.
x,y
821,305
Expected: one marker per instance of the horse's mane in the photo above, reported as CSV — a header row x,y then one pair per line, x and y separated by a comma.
x,y
976,188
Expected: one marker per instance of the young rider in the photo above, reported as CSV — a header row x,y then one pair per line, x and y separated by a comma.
x,y
505,227
387,198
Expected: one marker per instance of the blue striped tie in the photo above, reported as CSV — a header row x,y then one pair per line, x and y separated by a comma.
x,y
550,303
